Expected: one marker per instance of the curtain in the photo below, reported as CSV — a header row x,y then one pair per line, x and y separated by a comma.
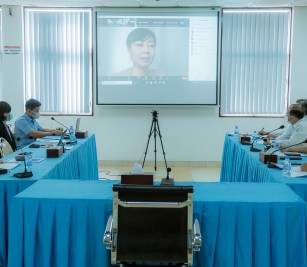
x,y
255,62
58,59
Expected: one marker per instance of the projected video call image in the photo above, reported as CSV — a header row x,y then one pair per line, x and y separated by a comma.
x,y
156,58
140,51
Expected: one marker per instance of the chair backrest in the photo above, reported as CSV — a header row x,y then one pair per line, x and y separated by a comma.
x,y
137,179
5,147
152,223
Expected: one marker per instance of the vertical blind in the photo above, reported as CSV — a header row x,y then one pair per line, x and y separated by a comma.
x,y
58,59
255,62
1,51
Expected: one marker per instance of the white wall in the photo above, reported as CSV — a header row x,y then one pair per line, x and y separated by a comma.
x,y
188,133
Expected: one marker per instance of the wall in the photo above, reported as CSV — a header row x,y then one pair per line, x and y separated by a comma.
x,y
188,133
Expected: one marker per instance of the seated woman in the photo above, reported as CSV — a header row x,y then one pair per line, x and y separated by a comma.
x,y
5,132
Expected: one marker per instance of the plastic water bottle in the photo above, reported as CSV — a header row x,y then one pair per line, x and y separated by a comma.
x,y
254,136
236,131
28,161
72,136
286,166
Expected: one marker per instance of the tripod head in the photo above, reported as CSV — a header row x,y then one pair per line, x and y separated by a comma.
x,y
155,114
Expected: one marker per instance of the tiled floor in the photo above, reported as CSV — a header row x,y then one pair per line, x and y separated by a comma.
x,y
195,174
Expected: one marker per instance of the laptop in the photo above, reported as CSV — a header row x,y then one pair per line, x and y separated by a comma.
x,y
77,129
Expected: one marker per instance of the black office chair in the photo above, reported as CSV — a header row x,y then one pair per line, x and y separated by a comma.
x,y
152,224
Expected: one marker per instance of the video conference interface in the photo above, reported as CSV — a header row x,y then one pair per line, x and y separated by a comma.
x,y
168,53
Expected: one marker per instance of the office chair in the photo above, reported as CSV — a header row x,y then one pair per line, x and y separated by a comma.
x,y
5,148
152,224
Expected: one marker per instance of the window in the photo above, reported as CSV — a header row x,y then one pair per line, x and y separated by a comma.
x,y
1,45
58,59
255,62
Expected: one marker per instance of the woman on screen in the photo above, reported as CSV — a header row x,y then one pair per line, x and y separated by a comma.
x,y
141,47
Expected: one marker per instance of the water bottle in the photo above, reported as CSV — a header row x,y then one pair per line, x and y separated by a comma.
x,y
236,131
72,136
28,161
286,166
254,136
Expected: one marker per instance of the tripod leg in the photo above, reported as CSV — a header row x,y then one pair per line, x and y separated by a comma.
x,y
150,133
155,138
159,133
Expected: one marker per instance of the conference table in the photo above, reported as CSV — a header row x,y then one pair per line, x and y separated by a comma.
x,y
239,164
80,162
61,223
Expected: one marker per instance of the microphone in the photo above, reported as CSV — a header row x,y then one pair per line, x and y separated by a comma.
x,y
280,127
167,180
25,173
61,143
272,165
60,123
254,149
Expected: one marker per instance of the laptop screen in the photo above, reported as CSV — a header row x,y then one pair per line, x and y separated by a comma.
x,y
78,125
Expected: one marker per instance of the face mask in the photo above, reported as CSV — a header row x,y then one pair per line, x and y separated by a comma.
x,y
36,115
10,117
286,120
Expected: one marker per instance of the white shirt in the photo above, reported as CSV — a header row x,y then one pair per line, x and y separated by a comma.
x,y
279,132
294,134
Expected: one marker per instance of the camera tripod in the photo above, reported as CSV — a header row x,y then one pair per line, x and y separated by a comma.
x,y
155,130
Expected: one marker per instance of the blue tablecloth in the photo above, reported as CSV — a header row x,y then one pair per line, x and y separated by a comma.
x,y
61,223
77,163
239,164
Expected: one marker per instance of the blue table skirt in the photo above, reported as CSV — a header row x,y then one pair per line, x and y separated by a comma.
x,y
77,163
7,191
61,223
239,164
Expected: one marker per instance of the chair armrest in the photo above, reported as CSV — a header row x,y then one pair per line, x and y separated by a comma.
x,y
196,236
107,237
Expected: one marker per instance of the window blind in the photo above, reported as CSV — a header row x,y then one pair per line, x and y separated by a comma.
x,y
58,59
255,62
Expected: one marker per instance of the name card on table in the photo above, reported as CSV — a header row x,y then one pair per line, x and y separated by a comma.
x,y
81,134
55,152
267,157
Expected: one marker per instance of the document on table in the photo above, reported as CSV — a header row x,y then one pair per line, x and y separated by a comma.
x,y
296,172
9,165
13,160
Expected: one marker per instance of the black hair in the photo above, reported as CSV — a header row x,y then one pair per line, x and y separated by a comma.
x,y
297,111
32,104
140,34
4,108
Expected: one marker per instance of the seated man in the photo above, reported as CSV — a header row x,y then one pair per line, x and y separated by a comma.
x,y
296,132
303,103
27,129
